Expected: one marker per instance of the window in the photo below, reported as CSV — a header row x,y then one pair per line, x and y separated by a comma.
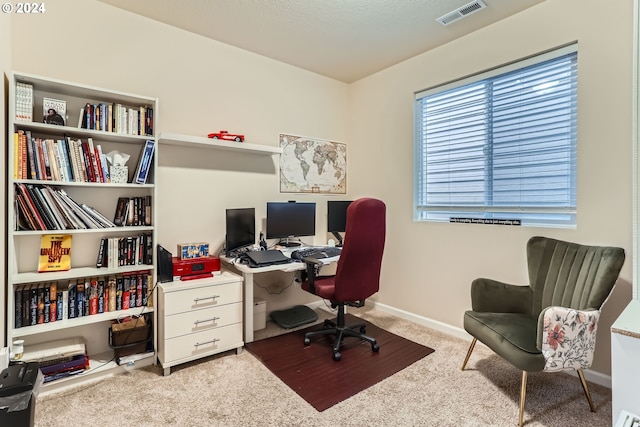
x,y
500,145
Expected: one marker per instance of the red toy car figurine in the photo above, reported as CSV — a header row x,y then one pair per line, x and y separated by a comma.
x,y
223,134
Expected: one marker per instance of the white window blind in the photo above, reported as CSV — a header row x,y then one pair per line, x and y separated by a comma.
x,y
500,145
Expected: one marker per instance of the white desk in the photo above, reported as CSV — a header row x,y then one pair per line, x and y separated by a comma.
x,y
248,272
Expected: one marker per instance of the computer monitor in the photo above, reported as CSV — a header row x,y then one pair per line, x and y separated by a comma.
x,y
240,229
287,220
337,217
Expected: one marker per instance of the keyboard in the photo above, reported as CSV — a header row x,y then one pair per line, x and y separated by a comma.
x,y
316,252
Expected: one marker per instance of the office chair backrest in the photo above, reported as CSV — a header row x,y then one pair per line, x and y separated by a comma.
x,y
358,271
571,275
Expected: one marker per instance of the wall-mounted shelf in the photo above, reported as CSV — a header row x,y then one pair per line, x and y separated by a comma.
x,y
208,143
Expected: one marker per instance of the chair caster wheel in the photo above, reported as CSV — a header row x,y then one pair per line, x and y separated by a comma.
x,y
375,347
307,341
363,329
327,323
337,356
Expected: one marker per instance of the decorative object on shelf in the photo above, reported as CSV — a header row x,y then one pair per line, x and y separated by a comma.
x,y
55,253
224,134
193,250
119,171
310,165
17,349
54,111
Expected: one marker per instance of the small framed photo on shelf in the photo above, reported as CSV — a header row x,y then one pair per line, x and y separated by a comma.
x,y
54,111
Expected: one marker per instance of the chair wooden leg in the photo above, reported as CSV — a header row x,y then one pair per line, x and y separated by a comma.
x,y
586,390
466,359
523,393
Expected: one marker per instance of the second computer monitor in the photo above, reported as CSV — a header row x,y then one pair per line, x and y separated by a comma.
x,y
287,220
337,217
240,228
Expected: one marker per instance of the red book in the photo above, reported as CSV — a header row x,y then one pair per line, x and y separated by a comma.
x,y
31,205
125,300
88,165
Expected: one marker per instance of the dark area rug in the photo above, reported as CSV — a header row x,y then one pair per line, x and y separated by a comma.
x,y
311,371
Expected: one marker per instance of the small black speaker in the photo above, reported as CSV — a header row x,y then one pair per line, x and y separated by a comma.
x,y
165,265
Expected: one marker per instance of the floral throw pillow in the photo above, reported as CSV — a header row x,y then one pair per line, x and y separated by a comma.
x,y
569,338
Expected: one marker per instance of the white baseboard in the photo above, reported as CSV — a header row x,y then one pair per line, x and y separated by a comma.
x,y
592,376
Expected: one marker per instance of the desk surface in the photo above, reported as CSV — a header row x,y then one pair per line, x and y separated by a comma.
x,y
286,267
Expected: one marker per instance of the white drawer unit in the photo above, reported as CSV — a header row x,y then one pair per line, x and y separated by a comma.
x,y
199,318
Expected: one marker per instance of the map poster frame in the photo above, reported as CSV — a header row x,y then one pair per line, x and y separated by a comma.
x,y
312,165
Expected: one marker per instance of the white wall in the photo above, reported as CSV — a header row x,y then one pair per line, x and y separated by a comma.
x,y
205,86
429,266
202,86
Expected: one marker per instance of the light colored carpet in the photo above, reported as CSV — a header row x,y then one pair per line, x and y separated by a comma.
x,y
237,390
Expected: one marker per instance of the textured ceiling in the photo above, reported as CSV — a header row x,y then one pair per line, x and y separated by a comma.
x,y
342,39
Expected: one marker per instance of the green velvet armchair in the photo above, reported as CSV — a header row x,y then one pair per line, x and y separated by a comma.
x,y
549,325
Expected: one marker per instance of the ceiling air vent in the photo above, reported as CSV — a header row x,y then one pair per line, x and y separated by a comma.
x,y
461,12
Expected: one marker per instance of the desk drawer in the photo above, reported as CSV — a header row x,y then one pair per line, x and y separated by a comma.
x,y
203,343
204,297
201,320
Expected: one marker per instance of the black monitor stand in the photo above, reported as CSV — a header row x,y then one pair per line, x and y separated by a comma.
x,y
288,244
337,236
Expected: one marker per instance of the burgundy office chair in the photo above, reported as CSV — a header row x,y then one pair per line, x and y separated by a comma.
x,y
357,275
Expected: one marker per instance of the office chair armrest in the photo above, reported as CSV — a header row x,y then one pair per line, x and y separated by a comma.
x,y
567,337
313,268
492,296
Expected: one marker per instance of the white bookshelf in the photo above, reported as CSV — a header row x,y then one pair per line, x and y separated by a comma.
x,y
23,245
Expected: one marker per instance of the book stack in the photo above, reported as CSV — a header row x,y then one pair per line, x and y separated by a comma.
x,y
118,118
47,208
133,211
24,101
46,302
58,359
64,160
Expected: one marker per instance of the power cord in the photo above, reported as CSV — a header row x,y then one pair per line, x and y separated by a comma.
x,y
266,288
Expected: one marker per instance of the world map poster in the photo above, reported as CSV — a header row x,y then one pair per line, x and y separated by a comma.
x,y
309,165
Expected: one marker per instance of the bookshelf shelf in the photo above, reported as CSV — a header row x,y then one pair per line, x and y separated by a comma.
x,y
213,144
75,273
80,321
80,133
110,230
51,170
103,185
102,365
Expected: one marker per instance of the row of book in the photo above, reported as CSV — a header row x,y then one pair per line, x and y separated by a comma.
x,y
47,302
133,211
125,251
65,160
118,118
41,207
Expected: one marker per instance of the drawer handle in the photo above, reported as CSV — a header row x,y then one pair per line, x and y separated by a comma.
x,y
215,340
196,300
213,319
